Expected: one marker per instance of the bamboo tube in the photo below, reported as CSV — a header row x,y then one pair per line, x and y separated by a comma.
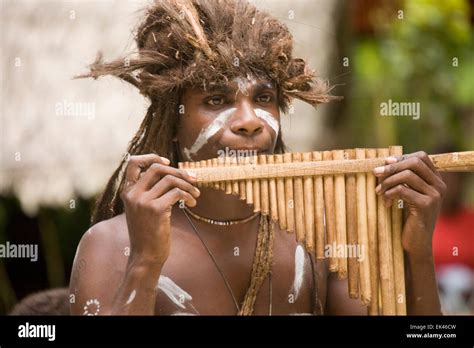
x,y
281,196
242,187
385,253
228,184
273,192
185,165
192,166
372,231
362,233
264,197
340,204
319,209
351,228
398,260
308,207
256,188
214,164
455,161
221,163
202,164
330,214
290,204
235,183
248,185
299,203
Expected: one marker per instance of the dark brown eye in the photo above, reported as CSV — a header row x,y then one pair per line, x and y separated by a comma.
x,y
264,98
215,101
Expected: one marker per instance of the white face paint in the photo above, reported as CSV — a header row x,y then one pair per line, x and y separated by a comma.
x,y
177,295
208,132
132,297
268,117
244,84
299,270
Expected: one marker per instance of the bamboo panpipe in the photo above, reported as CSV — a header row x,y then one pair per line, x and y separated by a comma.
x,y
328,199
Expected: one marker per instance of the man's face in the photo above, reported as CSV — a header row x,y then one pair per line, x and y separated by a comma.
x,y
240,115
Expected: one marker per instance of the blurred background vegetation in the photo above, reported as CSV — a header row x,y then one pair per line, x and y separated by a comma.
x,y
407,51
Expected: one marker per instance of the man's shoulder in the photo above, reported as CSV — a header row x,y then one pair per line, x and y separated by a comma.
x,y
107,233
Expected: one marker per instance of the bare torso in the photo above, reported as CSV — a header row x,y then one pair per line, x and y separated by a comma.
x,y
190,282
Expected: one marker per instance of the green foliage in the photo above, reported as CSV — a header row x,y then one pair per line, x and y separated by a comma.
x,y
425,57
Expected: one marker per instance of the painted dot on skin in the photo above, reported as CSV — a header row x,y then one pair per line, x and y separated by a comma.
x,y
89,307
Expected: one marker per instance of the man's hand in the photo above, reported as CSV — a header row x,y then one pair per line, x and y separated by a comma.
x,y
414,179
152,188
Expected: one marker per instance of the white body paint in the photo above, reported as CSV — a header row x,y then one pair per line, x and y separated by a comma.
x,y
173,291
183,313
268,118
132,297
299,270
208,132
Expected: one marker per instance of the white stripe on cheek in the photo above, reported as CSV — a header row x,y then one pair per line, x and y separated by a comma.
x,y
208,132
268,117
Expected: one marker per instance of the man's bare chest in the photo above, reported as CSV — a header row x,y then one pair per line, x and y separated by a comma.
x,y
194,283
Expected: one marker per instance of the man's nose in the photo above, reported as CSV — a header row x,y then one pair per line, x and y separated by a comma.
x,y
246,122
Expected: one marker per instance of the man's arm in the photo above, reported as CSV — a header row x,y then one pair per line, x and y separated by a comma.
x,y
105,280
421,288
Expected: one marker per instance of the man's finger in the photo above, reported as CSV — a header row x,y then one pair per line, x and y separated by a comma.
x,y
139,163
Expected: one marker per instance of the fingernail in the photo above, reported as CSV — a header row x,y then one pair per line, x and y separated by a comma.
x,y
164,159
391,160
378,188
197,190
379,170
191,174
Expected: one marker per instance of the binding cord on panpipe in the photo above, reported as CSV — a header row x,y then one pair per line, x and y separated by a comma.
x,y
327,198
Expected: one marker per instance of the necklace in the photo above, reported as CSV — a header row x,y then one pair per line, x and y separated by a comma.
x,y
224,278
220,222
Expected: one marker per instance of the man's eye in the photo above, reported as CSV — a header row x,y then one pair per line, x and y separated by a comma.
x,y
215,101
264,98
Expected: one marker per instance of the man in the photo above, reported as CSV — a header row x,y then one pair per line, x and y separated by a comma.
x,y
217,74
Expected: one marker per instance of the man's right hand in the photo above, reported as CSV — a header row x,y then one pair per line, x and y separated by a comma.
x,y
151,188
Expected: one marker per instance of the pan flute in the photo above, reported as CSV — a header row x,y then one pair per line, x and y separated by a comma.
x,y
327,198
